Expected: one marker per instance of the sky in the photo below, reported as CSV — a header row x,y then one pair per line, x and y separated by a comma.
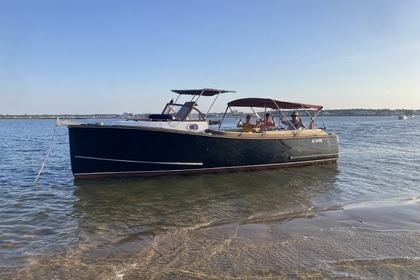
x,y
103,56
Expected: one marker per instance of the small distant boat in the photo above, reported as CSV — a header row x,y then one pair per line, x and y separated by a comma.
x,y
180,141
402,117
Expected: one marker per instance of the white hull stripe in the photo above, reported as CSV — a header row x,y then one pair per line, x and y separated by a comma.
x,y
141,161
208,169
315,156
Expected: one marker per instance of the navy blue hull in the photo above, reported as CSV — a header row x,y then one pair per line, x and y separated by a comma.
x,y
109,151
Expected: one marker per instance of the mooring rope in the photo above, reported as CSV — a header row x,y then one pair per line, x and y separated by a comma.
x,y
46,157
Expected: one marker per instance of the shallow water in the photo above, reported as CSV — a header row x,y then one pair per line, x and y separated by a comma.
x,y
355,219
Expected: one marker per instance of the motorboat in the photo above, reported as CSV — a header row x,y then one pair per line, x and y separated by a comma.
x,y
402,117
179,140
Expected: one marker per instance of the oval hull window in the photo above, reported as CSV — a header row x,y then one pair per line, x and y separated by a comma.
x,y
192,126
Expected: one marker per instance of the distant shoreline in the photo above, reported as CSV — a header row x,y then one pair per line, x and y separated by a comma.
x,y
64,116
341,112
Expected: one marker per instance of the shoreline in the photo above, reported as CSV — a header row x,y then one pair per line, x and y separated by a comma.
x,y
326,113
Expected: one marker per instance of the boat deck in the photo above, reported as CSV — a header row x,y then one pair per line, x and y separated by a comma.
x,y
235,133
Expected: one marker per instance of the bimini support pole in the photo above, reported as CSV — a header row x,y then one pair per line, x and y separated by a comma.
x,y
211,106
223,118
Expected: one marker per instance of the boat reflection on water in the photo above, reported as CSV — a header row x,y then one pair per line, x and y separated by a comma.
x,y
175,201
126,218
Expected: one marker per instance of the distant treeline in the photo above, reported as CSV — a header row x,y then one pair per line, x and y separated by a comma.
x,y
370,112
337,112
63,116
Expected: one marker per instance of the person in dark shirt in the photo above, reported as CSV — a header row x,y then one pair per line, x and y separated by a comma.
x,y
295,123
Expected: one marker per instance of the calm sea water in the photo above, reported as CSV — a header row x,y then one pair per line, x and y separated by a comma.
x,y
355,219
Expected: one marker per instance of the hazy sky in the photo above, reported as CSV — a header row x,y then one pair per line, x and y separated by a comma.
x,y
87,56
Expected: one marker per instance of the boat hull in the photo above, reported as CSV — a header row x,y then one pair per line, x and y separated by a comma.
x,y
100,151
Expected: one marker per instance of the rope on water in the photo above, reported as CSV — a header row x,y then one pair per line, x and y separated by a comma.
x,y
46,157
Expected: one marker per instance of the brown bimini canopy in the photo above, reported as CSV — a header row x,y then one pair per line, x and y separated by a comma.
x,y
270,103
203,92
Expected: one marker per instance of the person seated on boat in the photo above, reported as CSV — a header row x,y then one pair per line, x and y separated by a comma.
x,y
295,123
247,126
267,124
